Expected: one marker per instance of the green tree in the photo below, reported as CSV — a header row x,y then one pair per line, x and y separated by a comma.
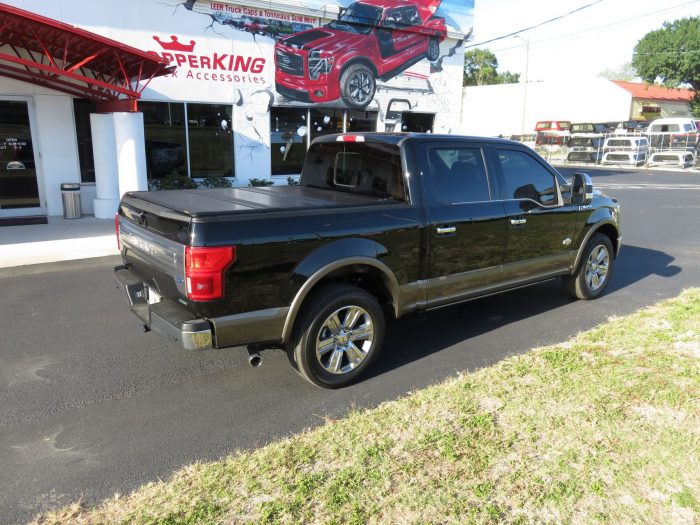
x,y
481,69
671,55
508,78
624,72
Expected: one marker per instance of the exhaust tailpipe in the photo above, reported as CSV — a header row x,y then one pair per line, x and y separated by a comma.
x,y
254,357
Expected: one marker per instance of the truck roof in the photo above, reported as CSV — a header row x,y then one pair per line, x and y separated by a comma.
x,y
398,138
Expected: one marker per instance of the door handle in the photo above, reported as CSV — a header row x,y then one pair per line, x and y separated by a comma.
x,y
516,222
445,230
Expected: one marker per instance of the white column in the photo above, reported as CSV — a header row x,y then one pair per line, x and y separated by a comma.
x,y
131,152
106,175
119,151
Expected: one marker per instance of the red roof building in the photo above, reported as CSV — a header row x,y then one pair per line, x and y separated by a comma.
x,y
654,92
650,101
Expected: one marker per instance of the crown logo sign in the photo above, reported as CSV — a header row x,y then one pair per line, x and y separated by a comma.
x,y
174,45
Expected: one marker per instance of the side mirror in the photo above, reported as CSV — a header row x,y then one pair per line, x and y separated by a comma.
x,y
581,189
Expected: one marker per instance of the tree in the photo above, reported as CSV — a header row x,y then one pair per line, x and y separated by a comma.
x,y
481,69
624,72
671,55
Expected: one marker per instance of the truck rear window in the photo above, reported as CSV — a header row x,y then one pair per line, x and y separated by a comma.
x,y
355,167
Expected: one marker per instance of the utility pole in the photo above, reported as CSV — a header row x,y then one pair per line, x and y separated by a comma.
x,y
527,65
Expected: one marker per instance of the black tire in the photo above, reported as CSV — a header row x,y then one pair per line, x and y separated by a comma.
x,y
433,52
357,86
340,362
596,262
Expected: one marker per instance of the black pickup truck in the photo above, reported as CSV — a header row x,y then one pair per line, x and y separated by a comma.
x,y
381,225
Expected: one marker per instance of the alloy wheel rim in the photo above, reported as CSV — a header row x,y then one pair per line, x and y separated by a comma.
x,y
344,340
360,87
597,267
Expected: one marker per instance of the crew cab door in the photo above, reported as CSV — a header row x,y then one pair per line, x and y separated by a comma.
x,y
467,221
540,227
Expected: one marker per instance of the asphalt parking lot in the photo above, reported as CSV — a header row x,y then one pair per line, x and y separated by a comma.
x,y
90,405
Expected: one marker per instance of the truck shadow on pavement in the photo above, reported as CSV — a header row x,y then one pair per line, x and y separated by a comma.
x,y
419,335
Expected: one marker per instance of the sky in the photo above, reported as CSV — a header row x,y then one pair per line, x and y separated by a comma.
x,y
578,46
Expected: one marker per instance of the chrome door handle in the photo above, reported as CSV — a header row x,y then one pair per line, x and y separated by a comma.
x,y
515,222
445,230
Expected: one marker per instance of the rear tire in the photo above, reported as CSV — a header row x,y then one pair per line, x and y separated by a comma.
x,y
594,270
433,49
338,336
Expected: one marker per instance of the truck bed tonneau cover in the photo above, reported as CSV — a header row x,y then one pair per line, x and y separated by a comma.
x,y
203,203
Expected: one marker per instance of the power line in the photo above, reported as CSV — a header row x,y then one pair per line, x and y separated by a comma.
x,y
599,28
536,25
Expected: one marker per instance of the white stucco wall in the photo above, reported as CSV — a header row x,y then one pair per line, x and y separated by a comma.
x,y
57,146
494,110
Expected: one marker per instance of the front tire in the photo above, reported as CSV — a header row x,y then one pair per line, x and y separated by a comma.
x,y
594,270
357,86
338,336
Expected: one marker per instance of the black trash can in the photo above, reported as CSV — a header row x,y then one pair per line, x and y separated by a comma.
x,y
70,192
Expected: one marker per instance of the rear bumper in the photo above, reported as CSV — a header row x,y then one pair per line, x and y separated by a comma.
x,y
172,320
166,317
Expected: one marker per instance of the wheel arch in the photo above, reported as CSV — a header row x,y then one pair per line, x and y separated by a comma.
x,y
363,271
359,60
607,228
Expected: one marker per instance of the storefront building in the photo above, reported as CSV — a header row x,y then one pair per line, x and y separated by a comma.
x,y
253,84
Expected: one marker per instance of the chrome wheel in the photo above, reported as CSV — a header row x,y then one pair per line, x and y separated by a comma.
x,y
597,267
344,340
360,87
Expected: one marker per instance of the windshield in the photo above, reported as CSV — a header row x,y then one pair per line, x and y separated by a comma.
x,y
358,18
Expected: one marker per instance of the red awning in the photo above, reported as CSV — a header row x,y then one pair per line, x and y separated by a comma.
x,y
59,56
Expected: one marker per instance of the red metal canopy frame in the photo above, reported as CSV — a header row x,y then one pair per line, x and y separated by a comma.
x,y
52,54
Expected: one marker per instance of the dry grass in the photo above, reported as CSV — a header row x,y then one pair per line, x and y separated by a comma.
x,y
602,429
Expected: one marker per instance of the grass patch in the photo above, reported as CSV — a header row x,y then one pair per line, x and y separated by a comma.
x,y
602,429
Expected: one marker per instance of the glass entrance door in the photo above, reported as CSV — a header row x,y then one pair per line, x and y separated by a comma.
x,y
19,184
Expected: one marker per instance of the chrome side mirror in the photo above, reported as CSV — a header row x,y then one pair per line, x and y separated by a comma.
x,y
581,189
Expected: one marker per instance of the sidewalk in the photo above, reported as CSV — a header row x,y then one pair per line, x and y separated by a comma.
x,y
59,240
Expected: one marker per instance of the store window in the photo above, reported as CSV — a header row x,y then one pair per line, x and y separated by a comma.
x,y
211,140
361,120
292,130
417,122
325,122
166,142
81,112
288,130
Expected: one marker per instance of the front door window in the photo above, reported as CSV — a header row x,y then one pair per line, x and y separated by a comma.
x,y
18,178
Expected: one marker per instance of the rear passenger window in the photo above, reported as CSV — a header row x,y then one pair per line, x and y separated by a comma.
x,y
458,175
525,178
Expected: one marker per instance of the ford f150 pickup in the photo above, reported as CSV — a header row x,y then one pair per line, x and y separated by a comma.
x,y
381,225
371,39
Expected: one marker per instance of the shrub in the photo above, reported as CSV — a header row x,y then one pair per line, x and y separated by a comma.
x,y
216,182
260,182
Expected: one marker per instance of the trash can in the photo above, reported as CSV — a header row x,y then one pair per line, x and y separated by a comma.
x,y
70,192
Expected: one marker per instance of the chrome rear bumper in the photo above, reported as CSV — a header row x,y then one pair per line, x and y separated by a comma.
x,y
166,317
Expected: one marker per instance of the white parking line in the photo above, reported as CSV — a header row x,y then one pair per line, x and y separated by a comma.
x,y
645,186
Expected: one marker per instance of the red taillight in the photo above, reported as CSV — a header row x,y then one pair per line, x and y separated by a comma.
x,y
116,227
204,271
